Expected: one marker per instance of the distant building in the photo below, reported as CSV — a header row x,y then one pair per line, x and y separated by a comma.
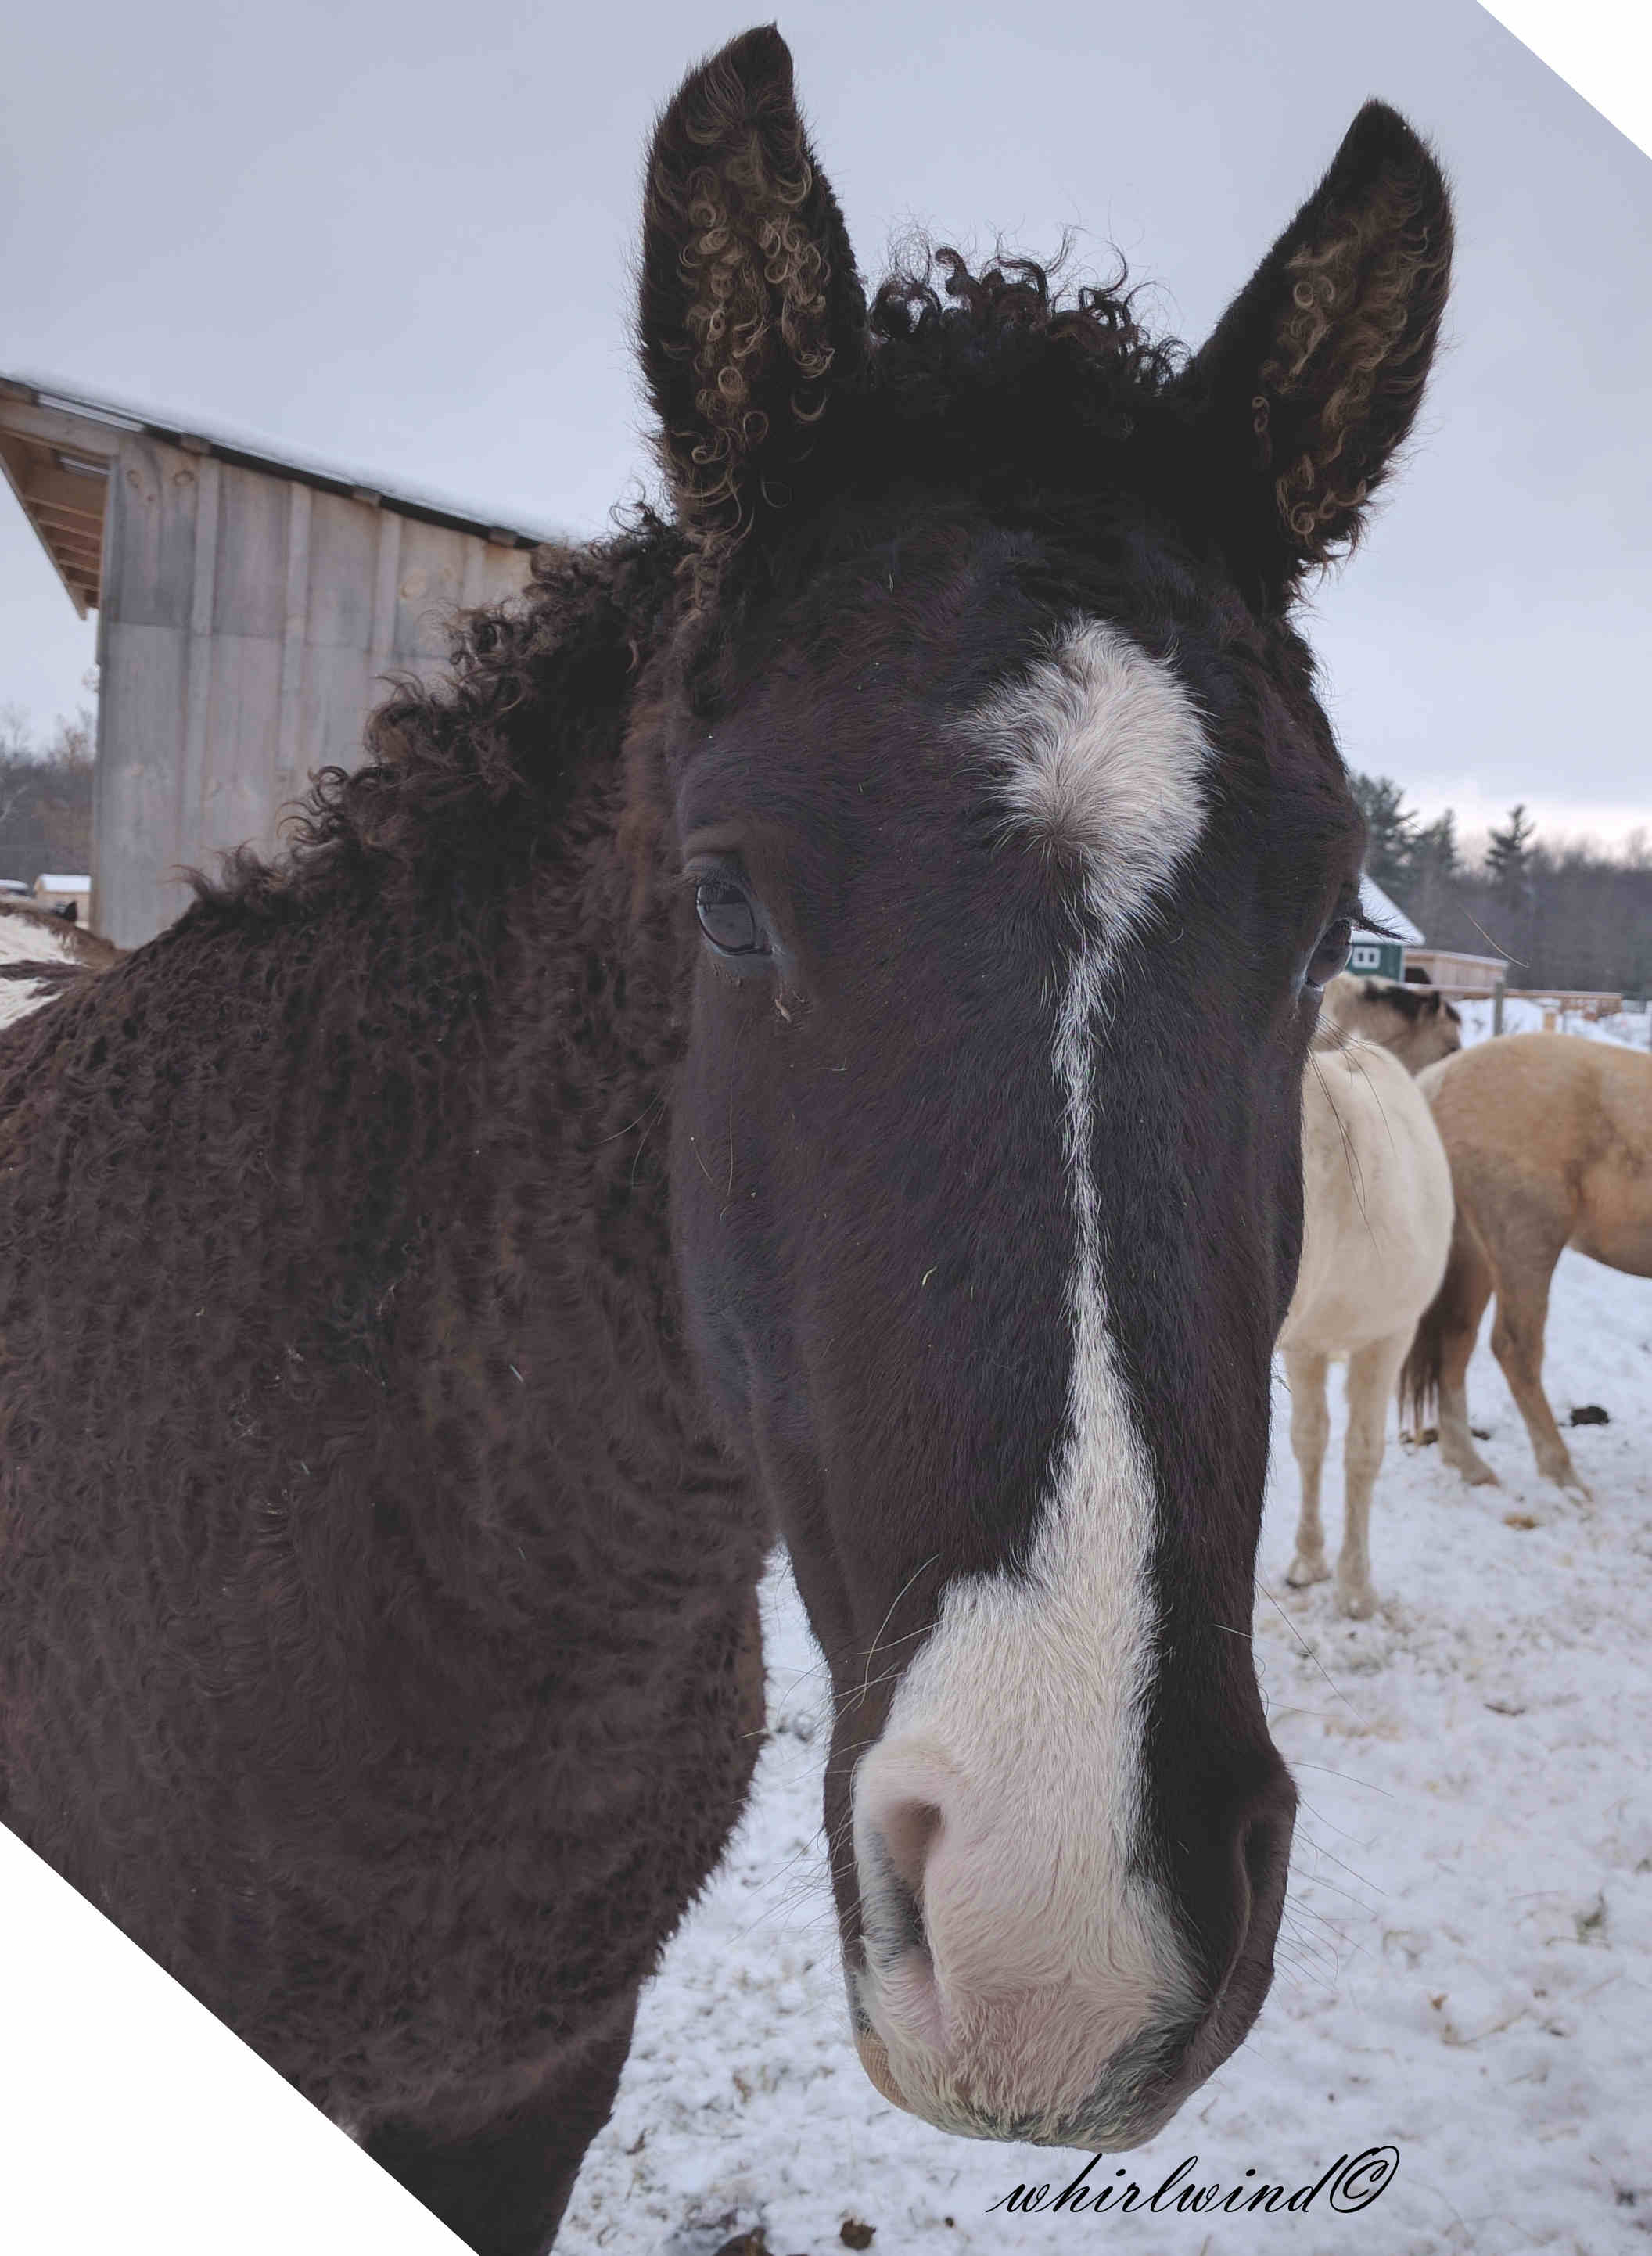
x,y
1380,954
248,606
1463,976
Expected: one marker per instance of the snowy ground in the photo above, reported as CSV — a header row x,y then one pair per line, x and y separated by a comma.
x,y
1633,1028
1465,1972
23,939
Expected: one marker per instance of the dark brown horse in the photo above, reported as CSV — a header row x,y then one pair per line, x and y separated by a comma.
x,y
801,1033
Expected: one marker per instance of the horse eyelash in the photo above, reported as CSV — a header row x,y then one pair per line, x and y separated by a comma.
x,y
685,881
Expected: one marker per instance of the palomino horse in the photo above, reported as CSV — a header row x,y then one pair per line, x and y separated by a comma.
x,y
1376,1230
1415,1024
1550,1138
801,1033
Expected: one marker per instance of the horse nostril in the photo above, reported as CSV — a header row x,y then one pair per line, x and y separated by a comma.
x,y
908,1830
900,1917
1263,1854
1259,1852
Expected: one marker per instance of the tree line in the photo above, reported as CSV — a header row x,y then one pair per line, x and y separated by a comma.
x,y
45,797
1566,915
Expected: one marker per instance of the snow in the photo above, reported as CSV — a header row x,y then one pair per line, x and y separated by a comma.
x,y
1463,1967
1381,910
1631,1028
28,940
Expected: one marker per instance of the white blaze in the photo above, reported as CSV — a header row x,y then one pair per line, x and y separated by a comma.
x,y
1022,1716
1100,747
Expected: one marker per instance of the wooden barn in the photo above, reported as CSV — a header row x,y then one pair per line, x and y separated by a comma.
x,y
247,603
1462,976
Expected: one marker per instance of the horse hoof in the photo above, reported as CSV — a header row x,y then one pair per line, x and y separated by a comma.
x,y
1302,1572
1357,1606
1479,1475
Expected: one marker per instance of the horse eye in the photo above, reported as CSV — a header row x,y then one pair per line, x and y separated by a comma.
x,y
727,918
1332,955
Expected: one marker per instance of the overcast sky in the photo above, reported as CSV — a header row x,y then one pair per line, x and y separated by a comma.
x,y
399,238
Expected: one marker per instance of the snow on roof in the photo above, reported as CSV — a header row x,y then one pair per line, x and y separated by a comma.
x,y
248,447
47,884
1381,910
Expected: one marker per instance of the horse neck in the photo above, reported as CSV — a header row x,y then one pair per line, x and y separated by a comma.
x,y
546,1269
586,1011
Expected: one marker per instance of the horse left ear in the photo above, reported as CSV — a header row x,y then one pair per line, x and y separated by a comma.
x,y
1314,375
750,305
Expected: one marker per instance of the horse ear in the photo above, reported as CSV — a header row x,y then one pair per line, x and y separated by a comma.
x,y
750,302
1314,375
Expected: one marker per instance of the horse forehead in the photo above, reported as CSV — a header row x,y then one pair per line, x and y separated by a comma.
x,y
1098,747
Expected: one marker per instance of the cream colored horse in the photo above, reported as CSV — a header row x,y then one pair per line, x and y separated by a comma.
x,y
1550,1138
1416,1024
1376,1230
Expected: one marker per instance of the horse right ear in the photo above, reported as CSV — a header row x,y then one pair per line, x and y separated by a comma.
x,y
750,307
1314,375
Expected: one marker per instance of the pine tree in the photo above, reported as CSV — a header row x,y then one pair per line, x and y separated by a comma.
x,y
1389,825
1508,858
1434,850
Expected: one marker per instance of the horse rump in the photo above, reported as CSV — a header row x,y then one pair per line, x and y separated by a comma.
x,y
1451,1309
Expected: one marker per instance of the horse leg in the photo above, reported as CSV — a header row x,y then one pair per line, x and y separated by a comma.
x,y
1310,1430
1469,1288
1517,1342
502,2187
1372,1373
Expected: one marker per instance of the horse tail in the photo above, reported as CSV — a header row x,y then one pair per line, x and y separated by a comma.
x,y
1448,1310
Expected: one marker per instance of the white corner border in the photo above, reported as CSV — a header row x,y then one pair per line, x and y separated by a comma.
x,y
1602,48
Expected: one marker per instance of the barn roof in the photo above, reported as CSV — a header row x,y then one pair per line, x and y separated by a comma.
x,y
1382,911
56,445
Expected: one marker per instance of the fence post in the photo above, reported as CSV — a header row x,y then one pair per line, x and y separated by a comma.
x,y
1497,1009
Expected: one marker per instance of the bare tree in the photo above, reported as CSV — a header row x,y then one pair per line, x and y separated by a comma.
x,y
45,795
17,739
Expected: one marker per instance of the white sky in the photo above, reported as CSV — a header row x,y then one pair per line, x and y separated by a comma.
x,y
400,236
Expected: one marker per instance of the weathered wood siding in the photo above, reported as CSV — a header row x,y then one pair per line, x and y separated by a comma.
x,y
246,621
1449,967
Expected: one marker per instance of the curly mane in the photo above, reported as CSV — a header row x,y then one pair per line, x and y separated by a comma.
x,y
1002,380
984,328
997,379
1032,398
